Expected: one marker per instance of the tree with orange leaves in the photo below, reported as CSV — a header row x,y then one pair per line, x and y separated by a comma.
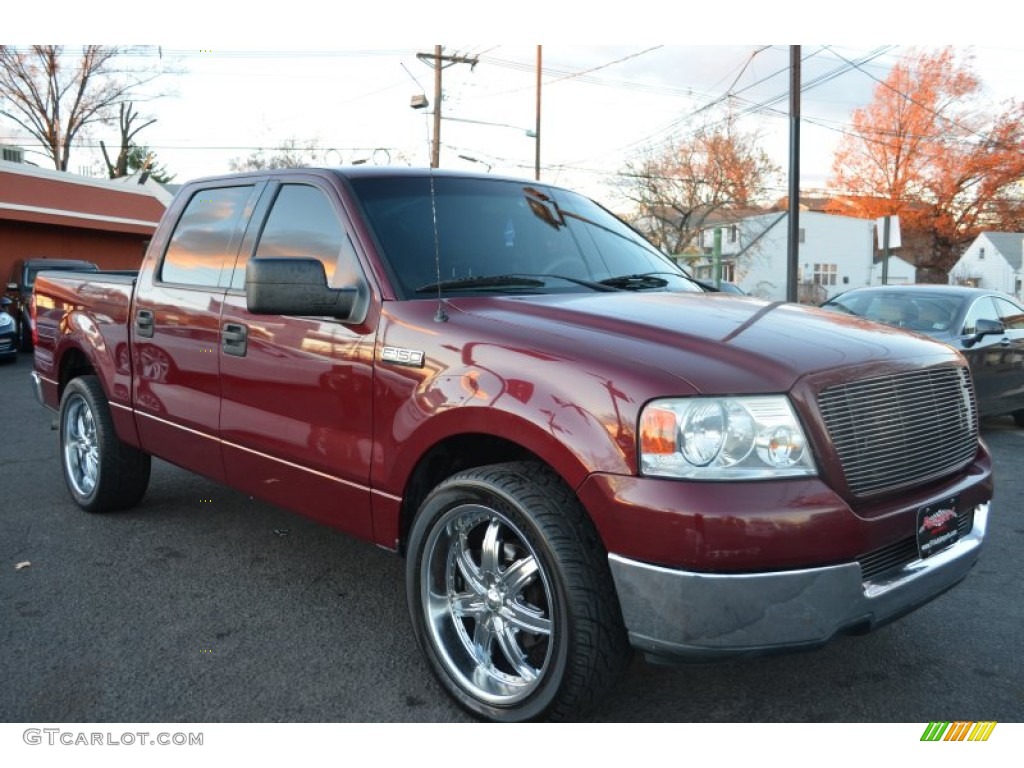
x,y
929,150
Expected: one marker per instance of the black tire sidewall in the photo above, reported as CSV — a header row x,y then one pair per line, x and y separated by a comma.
x,y
445,498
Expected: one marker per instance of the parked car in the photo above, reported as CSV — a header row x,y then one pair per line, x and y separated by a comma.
x,y
986,326
19,291
8,332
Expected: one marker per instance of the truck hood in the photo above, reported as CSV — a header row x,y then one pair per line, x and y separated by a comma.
x,y
717,343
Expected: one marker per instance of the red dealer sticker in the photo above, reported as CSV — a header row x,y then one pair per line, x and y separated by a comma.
x,y
936,527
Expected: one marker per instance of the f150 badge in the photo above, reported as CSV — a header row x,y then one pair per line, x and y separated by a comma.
x,y
402,356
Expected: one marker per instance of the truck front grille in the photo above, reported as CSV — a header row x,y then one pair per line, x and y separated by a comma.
x,y
901,430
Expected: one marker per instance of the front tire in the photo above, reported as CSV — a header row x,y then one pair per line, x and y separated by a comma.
x,y
1018,418
102,473
510,595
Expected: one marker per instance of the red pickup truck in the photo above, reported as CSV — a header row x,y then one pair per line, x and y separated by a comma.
x,y
578,450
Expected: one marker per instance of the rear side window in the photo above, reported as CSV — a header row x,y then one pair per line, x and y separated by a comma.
x,y
205,236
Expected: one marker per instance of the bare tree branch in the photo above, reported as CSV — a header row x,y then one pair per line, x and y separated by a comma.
x,y
676,189
55,101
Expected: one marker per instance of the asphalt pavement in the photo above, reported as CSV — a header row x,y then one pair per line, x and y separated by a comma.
x,y
202,605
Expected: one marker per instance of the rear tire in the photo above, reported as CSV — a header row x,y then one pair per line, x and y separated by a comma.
x,y
102,473
1018,418
511,598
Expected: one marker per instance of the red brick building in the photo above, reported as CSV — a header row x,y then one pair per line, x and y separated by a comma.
x,y
61,215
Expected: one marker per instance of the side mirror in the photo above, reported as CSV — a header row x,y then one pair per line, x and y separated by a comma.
x,y
984,328
12,287
276,286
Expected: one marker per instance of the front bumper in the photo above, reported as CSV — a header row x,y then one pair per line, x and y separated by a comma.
x,y
702,616
8,346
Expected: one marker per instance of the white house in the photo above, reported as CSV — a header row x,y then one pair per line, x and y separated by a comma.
x,y
993,260
836,254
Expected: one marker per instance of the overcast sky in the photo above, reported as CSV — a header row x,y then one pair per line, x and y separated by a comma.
x,y
345,84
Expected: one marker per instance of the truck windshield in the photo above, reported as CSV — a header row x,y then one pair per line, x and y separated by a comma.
x,y
499,236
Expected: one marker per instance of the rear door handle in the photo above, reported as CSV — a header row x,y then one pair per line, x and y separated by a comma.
x,y
144,323
234,339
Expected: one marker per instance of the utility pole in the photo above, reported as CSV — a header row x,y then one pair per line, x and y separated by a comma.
x,y
436,58
885,252
792,293
435,147
716,258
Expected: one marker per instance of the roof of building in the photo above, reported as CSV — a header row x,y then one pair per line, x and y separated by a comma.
x,y
1009,244
42,196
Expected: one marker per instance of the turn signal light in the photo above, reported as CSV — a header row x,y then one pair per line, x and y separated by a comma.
x,y
658,429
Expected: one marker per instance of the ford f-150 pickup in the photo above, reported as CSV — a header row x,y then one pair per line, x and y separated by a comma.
x,y
578,450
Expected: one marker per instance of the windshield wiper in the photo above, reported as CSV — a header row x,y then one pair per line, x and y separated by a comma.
x,y
483,281
519,280
637,282
644,280
597,286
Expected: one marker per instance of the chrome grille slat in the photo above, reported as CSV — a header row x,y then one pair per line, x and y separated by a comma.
x,y
892,432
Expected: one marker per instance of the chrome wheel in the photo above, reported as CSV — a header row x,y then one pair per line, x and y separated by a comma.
x,y
488,604
102,473
510,595
80,446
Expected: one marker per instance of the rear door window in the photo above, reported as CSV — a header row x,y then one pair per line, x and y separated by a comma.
x,y
206,237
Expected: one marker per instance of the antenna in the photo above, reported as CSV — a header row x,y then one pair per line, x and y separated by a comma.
x,y
419,102
440,316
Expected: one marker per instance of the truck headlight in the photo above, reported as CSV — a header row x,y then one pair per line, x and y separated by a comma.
x,y
723,438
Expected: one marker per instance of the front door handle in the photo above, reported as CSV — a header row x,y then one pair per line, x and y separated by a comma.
x,y
144,323
233,338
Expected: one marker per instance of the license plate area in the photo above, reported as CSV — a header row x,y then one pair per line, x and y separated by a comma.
x,y
937,527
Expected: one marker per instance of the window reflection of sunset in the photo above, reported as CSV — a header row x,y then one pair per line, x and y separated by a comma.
x,y
203,235
304,225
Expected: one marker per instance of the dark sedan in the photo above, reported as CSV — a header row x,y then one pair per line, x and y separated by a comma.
x,y
986,326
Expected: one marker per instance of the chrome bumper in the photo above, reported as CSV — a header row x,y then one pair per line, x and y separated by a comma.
x,y
701,616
